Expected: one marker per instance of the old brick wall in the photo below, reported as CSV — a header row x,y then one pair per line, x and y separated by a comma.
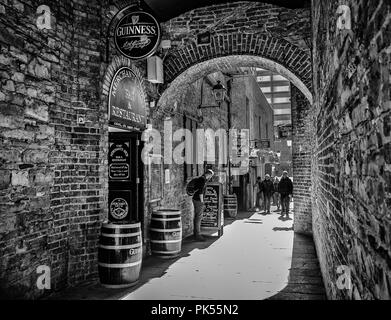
x,y
52,171
302,148
352,196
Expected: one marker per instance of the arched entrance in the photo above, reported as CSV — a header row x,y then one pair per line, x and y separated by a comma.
x,y
301,117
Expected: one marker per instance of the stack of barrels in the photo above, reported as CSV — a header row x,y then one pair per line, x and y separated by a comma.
x,y
230,205
120,255
166,233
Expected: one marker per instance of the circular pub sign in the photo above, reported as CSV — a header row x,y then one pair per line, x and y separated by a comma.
x,y
119,208
137,35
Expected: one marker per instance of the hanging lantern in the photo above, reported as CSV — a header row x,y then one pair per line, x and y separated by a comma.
x,y
219,92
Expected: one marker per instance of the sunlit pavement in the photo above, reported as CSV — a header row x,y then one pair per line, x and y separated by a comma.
x,y
251,261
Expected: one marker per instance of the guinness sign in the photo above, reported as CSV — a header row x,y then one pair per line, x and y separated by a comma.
x,y
137,35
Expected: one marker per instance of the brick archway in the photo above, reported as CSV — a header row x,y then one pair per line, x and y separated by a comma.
x,y
182,79
245,34
301,118
248,50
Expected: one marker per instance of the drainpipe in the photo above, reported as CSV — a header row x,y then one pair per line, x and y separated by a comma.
x,y
229,90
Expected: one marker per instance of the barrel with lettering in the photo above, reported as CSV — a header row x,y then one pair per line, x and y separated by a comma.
x,y
166,233
119,255
230,205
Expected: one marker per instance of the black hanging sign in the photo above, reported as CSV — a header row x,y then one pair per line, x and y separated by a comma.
x,y
137,35
127,100
119,161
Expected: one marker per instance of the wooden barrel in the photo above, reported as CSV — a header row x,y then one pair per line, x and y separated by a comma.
x,y
166,233
230,205
119,255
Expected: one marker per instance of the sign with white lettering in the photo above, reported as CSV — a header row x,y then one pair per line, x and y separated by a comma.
x,y
137,35
213,215
127,101
119,161
120,205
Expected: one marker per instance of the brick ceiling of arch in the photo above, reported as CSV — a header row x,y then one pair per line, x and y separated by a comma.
x,y
264,35
177,89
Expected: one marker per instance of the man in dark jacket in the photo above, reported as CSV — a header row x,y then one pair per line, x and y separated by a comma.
x,y
198,202
285,188
258,186
268,190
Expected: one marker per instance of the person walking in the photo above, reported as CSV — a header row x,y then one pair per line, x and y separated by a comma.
x,y
285,188
267,190
258,185
276,195
197,187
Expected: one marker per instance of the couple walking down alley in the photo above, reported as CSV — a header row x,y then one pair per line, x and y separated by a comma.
x,y
279,190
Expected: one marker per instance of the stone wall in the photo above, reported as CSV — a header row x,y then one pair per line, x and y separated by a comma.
x,y
52,170
352,196
302,148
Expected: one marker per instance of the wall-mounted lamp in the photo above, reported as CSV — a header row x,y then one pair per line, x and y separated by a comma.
x,y
219,92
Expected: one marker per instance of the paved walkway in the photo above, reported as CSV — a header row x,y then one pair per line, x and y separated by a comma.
x,y
252,261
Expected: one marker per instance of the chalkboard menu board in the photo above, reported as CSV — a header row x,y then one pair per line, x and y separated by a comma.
x,y
119,161
213,216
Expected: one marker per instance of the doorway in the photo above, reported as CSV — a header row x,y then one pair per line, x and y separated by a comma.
x,y
126,177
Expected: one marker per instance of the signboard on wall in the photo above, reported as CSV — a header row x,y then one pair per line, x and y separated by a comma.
x,y
240,151
120,205
213,216
119,161
265,144
284,132
137,35
127,107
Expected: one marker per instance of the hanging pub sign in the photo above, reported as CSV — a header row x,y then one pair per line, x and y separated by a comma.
x,y
137,35
127,100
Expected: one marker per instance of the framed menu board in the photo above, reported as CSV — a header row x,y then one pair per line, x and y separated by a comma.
x,y
119,160
213,216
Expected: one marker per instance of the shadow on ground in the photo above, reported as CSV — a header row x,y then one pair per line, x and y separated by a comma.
x,y
305,279
153,267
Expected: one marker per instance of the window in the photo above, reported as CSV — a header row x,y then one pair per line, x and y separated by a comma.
x,y
247,112
267,130
282,100
279,112
260,127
